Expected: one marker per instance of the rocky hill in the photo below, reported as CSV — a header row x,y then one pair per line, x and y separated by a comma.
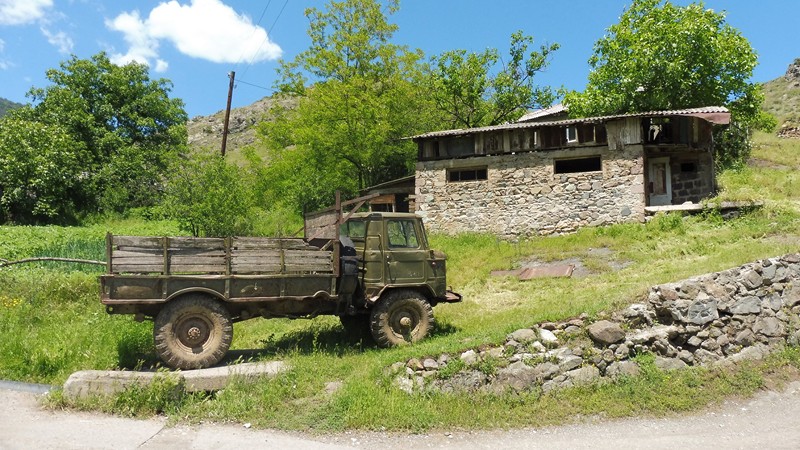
x,y
205,132
782,99
7,105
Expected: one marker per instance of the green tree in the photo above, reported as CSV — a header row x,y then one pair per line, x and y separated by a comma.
x,y
40,171
661,56
468,93
124,126
209,196
359,94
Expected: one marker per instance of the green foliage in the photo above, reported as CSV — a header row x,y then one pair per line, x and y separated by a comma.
x,y
661,57
208,196
470,92
358,98
41,170
107,133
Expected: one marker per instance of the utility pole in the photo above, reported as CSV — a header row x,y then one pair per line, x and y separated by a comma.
x,y
231,75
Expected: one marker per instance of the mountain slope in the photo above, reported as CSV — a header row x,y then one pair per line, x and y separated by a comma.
x,y
7,105
205,132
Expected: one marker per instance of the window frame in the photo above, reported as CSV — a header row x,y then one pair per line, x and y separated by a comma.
x,y
481,173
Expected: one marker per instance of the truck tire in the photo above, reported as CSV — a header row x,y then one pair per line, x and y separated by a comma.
x,y
401,317
192,332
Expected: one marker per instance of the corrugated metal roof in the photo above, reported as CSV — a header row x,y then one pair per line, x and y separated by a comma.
x,y
544,112
524,125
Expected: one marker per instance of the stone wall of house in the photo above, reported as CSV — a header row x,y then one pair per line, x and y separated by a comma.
x,y
715,319
523,196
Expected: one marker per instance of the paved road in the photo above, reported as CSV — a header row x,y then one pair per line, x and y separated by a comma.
x,y
771,420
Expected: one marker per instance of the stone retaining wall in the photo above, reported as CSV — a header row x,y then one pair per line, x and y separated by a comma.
x,y
720,318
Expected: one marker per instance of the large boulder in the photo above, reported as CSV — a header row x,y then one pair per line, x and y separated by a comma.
x,y
605,332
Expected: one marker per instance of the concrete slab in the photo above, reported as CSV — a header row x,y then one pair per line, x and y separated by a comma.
x,y
87,383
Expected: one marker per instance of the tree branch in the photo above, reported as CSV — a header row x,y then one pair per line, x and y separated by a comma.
x,y
5,262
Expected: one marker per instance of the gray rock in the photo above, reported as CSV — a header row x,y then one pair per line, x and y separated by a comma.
x,y
744,338
605,332
706,357
751,279
466,381
669,363
622,369
469,357
523,336
583,376
430,364
660,332
570,362
547,337
703,310
546,370
769,326
747,305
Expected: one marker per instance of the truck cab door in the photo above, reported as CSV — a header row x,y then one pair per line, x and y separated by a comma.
x,y
406,256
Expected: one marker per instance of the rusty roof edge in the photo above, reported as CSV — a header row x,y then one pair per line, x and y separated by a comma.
x,y
709,113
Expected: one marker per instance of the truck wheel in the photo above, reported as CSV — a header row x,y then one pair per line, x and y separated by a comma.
x,y
192,332
400,318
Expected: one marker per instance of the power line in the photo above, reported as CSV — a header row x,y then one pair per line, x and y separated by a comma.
x,y
260,18
252,84
266,37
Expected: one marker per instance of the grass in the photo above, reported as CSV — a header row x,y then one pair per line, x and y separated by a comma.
x,y
53,324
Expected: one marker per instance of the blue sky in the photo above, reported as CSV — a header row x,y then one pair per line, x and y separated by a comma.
x,y
195,43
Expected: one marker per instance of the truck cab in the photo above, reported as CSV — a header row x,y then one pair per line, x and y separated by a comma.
x,y
393,252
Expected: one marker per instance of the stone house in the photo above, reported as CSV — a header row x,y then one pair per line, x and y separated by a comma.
x,y
541,176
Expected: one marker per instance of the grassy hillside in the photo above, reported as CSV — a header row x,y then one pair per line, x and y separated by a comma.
x,y
782,99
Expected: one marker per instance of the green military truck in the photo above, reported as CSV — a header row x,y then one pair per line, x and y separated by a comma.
x,y
377,272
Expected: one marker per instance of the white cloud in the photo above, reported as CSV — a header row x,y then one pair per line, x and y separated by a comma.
x,y
60,40
205,29
19,12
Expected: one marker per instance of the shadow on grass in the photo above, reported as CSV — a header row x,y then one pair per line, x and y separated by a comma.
x,y
134,353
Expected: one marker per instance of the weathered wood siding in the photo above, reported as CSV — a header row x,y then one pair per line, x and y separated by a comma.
x,y
234,256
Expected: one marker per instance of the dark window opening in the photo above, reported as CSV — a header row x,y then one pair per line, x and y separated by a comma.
x,y
688,167
473,174
589,164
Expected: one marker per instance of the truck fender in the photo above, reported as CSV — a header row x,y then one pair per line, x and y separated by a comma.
x,y
371,300
194,290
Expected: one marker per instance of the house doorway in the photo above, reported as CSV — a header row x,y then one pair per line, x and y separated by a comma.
x,y
660,182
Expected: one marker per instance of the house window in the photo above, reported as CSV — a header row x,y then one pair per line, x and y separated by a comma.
x,y
471,174
688,167
572,134
576,165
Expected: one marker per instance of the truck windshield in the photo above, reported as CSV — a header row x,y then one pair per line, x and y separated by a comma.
x,y
354,229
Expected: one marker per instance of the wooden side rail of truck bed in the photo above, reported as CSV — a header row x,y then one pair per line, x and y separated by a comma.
x,y
218,256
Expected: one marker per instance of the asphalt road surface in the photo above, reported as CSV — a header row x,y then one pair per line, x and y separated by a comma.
x,y
770,420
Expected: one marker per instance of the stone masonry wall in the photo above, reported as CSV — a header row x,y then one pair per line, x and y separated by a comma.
x,y
523,196
714,319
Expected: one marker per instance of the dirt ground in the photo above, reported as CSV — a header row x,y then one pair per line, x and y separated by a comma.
x,y
769,420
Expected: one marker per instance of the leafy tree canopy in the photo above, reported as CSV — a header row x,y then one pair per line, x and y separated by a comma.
x,y
661,56
360,94
468,93
119,128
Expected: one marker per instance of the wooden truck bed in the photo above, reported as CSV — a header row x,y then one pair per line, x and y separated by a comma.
x,y
151,270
